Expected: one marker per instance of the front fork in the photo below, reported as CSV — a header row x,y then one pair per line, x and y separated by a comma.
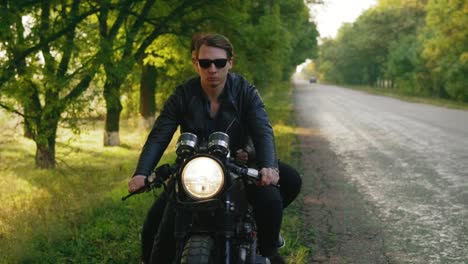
x,y
228,227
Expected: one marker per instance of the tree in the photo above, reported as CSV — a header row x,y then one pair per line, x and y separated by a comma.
x,y
272,39
362,49
135,25
52,52
297,22
168,56
147,101
42,69
404,63
269,39
445,41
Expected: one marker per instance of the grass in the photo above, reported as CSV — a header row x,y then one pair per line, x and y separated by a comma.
x,y
74,214
280,108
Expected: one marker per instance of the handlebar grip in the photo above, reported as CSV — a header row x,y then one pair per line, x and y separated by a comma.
x,y
245,171
253,173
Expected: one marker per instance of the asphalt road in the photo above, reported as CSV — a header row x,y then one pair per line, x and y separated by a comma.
x,y
408,163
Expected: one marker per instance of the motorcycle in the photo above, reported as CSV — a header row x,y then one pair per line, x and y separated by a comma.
x,y
214,221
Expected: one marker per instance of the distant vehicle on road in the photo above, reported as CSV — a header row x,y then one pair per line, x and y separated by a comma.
x,y
313,79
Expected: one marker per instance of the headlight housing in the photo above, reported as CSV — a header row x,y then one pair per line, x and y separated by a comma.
x,y
218,144
202,178
186,144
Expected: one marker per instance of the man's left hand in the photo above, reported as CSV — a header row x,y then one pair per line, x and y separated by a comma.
x,y
270,176
242,156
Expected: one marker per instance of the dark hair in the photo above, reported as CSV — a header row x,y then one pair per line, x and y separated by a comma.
x,y
197,36
217,41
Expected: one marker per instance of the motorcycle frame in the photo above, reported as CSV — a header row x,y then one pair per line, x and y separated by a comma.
x,y
222,201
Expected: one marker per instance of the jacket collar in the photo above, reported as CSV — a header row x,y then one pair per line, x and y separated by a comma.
x,y
230,91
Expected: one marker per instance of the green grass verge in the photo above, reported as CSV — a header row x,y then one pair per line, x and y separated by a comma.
x,y
280,108
74,214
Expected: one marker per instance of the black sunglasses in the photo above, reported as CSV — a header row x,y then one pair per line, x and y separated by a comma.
x,y
206,63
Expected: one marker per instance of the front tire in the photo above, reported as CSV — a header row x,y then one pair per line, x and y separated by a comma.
x,y
198,250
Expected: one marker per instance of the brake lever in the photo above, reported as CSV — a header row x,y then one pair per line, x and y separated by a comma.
x,y
133,193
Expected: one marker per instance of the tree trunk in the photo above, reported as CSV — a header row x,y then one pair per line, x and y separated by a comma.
x,y
147,100
27,126
45,143
28,131
45,155
113,107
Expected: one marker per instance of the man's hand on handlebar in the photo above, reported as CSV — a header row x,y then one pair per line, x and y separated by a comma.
x,y
137,183
270,176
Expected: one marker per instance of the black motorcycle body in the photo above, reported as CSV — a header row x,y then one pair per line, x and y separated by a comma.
x,y
218,227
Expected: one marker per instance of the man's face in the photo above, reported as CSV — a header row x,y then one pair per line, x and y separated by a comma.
x,y
211,75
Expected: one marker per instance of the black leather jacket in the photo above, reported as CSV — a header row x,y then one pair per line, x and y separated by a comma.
x,y
241,114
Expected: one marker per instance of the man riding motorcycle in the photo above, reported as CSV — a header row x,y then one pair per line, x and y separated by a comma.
x,y
221,101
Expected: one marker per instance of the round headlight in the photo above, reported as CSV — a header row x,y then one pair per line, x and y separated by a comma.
x,y
202,178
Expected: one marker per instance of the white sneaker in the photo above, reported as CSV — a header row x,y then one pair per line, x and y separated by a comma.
x,y
281,242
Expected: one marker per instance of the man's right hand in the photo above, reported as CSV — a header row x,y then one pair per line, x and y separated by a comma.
x,y
137,182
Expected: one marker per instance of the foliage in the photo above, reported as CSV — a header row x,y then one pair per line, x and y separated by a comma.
x,y
279,37
42,72
446,46
404,63
417,47
169,54
360,51
126,30
57,57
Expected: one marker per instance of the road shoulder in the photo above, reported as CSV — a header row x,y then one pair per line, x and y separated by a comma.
x,y
345,230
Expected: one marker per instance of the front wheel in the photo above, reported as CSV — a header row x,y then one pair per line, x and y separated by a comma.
x,y
198,250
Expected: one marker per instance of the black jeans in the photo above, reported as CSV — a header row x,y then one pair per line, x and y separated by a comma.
x,y
268,213
290,183
263,201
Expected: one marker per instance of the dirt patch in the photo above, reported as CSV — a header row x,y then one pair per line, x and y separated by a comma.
x,y
344,228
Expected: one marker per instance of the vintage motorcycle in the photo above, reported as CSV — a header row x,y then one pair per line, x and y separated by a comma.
x,y
214,222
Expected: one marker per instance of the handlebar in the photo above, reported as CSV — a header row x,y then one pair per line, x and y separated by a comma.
x,y
162,173
155,180
243,170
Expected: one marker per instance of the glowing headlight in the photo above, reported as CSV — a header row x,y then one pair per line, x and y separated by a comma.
x,y
202,178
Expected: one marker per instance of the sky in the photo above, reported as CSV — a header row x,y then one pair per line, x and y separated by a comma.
x,y
330,16
333,13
